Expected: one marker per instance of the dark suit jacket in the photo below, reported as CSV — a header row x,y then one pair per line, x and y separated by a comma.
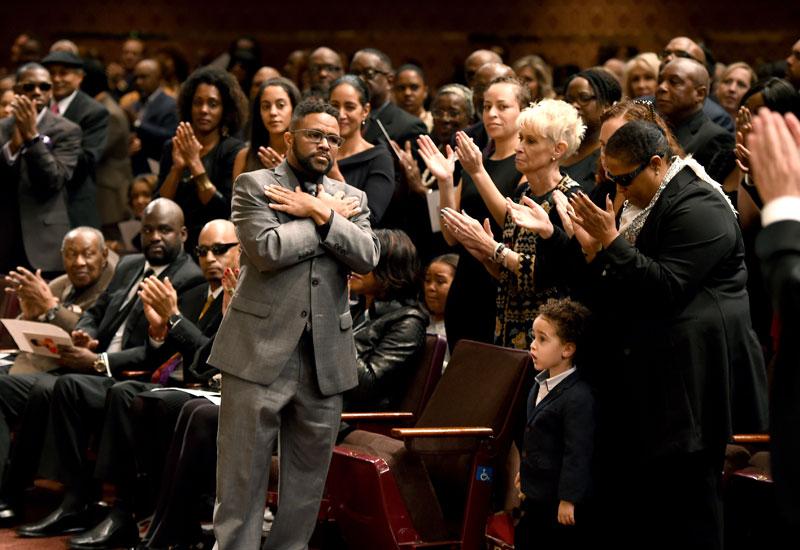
x,y
92,117
114,174
400,126
705,140
158,124
778,247
675,318
102,320
558,442
35,205
192,332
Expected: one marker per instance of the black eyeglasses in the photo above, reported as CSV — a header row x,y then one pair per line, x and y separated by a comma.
x,y
28,87
678,53
624,180
581,99
216,249
369,74
316,136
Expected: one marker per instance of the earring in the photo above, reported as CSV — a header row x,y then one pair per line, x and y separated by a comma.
x,y
364,122
552,159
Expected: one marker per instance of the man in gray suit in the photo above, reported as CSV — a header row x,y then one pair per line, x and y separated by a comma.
x,y
39,154
285,347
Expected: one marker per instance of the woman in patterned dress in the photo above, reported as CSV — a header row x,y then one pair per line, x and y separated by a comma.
x,y
526,271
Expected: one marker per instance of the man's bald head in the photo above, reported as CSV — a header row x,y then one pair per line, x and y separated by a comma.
x,y
477,59
85,255
147,76
163,231
485,74
217,250
324,66
682,88
682,46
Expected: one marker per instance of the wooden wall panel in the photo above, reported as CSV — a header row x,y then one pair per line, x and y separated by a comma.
x,y
436,33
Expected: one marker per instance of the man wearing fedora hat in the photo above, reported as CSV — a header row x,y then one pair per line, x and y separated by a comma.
x,y
66,70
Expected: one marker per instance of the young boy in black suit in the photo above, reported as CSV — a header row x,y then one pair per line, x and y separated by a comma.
x,y
558,438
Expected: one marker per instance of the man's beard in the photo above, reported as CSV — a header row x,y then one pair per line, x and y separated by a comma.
x,y
308,166
170,253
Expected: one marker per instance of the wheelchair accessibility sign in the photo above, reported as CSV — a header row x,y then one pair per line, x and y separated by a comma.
x,y
485,473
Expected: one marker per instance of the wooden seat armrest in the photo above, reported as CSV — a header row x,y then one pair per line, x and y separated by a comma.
x,y
377,416
749,439
443,432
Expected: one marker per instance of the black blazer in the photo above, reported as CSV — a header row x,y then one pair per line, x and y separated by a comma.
x,y
556,450
192,332
400,126
158,124
35,205
103,319
387,341
705,140
778,247
675,323
92,117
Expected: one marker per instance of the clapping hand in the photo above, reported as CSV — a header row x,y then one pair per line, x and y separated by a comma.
x,y
441,166
598,226
24,112
269,157
530,215
469,154
34,295
477,238
160,295
188,146
229,279
744,125
410,168
775,154
82,339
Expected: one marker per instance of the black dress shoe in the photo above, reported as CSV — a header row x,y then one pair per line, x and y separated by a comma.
x,y
60,522
8,511
117,530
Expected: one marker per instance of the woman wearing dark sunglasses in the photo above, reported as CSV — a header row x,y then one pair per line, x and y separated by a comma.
x,y
680,365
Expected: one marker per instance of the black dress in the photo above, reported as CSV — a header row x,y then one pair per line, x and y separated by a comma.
x,y
219,166
470,309
372,171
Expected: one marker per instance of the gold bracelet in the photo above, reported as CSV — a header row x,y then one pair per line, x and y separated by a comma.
x,y
202,181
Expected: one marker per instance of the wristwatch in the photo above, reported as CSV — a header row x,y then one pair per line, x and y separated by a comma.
x,y
50,314
174,320
99,365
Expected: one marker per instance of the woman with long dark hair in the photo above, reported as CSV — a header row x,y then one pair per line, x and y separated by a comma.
x,y
359,163
270,114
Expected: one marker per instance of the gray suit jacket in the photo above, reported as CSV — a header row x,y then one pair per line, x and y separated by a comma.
x,y
40,175
290,278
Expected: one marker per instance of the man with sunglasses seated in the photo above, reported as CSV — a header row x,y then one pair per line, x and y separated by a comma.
x,y
182,326
39,154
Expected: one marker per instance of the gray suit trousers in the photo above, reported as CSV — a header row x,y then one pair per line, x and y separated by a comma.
x,y
251,416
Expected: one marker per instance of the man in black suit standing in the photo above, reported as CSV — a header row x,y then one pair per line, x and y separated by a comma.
x,y
154,117
69,101
375,68
774,147
682,89
39,154
110,337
